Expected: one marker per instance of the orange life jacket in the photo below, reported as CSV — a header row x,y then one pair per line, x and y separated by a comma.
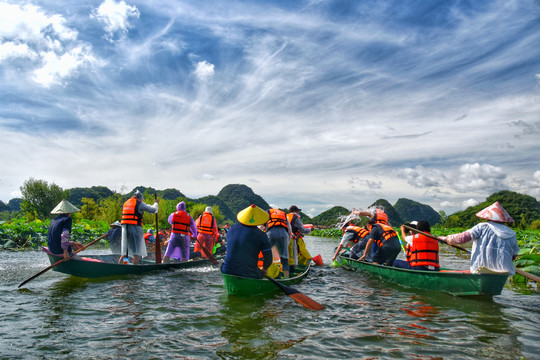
x,y
205,223
423,252
388,233
359,231
296,232
130,213
181,221
277,218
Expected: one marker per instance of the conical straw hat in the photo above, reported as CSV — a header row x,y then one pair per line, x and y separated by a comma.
x,y
64,207
495,212
252,216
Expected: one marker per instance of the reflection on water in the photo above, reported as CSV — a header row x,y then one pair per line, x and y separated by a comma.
x,y
187,314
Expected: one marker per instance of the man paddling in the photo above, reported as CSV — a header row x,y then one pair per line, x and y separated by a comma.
x,y
494,244
60,230
244,243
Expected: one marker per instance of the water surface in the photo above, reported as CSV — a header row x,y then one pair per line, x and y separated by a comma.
x,y
186,314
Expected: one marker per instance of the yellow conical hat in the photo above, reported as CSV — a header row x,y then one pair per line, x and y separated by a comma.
x,y
252,216
64,207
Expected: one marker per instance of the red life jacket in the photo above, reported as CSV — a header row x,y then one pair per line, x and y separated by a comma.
x,y
277,218
388,233
423,252
181,221
205,223
130,213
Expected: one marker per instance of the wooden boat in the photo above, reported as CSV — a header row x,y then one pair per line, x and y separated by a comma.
x,y
245,287
96,266
455,282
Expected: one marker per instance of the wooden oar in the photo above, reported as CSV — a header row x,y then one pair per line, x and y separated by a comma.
x,y
158,245
519,271
61,261
207,253
297,296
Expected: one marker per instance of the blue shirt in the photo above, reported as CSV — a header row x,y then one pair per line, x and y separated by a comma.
x,y
54,236
243,246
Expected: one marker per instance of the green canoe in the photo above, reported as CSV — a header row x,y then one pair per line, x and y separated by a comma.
x,y
455,282
96,266
245,287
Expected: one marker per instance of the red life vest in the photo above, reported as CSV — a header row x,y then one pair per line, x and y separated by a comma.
x,y
181,221
388,233
277,218
423,252
130,213
205,223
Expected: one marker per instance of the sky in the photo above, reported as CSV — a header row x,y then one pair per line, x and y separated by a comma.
x,y
314,103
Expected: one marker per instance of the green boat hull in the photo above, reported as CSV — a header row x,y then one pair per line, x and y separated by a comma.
x,y
453,282
110,267
246,287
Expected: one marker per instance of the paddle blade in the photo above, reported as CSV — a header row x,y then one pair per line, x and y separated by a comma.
x,y
306,301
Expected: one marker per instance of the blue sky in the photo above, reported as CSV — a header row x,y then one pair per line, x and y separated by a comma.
x,y
313,103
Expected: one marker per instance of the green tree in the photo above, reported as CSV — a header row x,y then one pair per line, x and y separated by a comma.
x,y
111,208
39,198
89,209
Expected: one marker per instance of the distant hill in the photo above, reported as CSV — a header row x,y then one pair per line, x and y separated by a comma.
x,y
524,209
410,210
238,197
330,217
95,192
212,200
393,216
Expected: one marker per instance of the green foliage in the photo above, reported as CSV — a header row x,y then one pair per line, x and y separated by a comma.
x,y
328,233
238,197
96,193
535,225
40,198
111,209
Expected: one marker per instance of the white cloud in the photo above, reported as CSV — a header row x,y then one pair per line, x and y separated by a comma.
x,y
419,177
444,204
204,70
478,177
56,67
10,49
536,176
469,203
115,16
364,183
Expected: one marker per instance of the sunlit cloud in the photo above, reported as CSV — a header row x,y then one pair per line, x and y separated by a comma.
x,y
115,16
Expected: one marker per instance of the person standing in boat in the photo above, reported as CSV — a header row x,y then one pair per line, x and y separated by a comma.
x,y
244,243
115,237
422,253
279,232
297,246
495,245
183,227
352,235
382,236
133,243
58,235
207,231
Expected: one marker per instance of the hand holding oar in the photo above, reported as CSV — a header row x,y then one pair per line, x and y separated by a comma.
x,y
60,261
519,271
297,296
207,253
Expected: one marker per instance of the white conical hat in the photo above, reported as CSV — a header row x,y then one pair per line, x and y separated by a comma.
x,y
495,212
64,207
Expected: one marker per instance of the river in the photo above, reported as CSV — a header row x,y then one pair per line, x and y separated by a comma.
x,y
186,314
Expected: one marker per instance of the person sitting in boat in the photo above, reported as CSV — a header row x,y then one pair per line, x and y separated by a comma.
x,y
115,237
133,243
244,242
279,232
59,231
297,245
382,236
422,253
494,244
183,227
353,235
207,231
149,237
